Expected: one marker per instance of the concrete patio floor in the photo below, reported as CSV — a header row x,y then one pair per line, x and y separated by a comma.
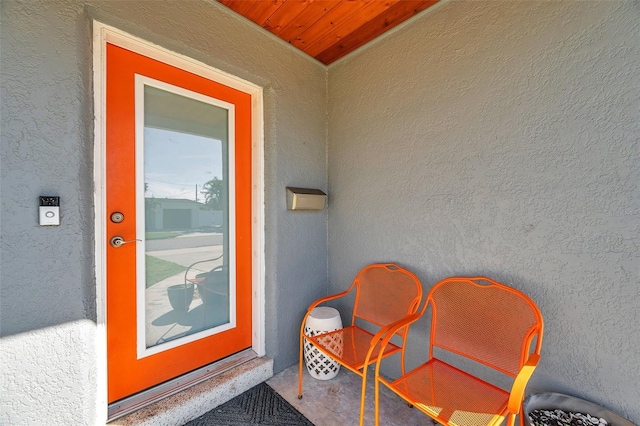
x,y
337,401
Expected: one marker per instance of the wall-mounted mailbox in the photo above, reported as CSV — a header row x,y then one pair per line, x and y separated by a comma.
x,y
305,199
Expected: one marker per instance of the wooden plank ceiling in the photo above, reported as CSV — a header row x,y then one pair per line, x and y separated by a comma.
x,y
327,29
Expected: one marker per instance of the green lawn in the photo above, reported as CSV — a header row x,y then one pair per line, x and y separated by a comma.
x,y
158,270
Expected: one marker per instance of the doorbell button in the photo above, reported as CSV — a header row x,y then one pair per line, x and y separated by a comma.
x,y
49,215
49,211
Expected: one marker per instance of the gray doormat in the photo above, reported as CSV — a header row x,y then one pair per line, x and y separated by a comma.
x,y
259,406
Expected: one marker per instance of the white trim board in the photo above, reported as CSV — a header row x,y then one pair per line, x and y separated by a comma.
x,y
103,34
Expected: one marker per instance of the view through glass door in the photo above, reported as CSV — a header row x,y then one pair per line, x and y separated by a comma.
x,y
185,179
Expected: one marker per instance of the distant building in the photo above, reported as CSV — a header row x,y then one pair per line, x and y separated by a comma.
x,y
169,214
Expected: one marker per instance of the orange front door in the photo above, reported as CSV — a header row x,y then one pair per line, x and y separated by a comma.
x,y
179,195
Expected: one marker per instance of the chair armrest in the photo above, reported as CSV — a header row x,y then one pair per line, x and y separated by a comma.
x,y
326,299
517,390
319,301
310,308
387,332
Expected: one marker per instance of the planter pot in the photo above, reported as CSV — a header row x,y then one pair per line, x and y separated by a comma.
x,y
180,296
213,287
558,401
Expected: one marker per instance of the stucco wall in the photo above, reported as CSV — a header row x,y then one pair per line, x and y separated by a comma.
x,y
48,285
502,139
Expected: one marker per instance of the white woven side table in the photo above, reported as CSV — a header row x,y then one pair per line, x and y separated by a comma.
x,y
321,320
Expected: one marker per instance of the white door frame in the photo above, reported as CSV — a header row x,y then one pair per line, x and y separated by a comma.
x,y
101,35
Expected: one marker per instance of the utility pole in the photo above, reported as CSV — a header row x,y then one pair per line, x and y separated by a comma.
x,y
196,192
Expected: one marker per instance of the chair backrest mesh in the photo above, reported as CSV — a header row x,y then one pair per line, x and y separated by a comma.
x,y
386,293
488,322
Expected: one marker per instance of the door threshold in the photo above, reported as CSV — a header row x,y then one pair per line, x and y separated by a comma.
x,y
189,396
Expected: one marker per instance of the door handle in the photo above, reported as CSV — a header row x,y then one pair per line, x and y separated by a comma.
x,y
118,241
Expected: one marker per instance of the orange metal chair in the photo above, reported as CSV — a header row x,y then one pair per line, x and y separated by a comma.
x,y
385,294
483,321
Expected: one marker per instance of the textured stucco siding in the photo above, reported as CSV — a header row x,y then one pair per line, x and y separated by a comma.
x,y
47,274
502,139
49,376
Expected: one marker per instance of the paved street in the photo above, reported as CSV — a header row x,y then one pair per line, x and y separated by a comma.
x,y
185,241
188,256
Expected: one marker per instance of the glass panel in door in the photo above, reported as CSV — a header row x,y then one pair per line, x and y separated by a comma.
x,y
185,285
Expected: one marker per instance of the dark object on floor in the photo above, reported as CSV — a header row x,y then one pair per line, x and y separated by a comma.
x,y
562,418
551,401
259,406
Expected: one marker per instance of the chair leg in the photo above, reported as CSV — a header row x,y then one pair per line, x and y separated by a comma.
x,y
363,396
521,415
376,406
300,369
